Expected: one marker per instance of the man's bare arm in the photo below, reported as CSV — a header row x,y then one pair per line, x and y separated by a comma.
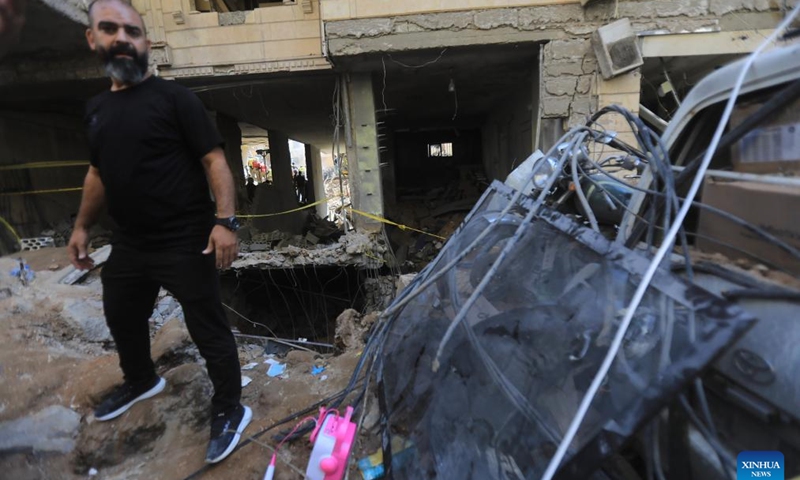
x,y
92,203
222,241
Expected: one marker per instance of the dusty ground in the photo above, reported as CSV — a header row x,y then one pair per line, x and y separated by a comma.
x,y
47,360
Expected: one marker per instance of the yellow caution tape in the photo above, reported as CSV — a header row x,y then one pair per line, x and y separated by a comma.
x,y
389,222
318,202
10,229
52,164
40,192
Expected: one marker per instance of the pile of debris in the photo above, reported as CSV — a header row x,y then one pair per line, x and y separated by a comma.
x,y
58,361
278,250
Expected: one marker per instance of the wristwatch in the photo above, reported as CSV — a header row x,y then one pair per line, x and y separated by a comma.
x,y
231,223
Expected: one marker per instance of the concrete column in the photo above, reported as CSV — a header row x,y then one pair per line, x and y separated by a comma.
x,y
388,165
316,184
281,160
280,196
232,135
362,150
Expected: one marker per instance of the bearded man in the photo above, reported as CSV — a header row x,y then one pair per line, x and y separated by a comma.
x,y
154,153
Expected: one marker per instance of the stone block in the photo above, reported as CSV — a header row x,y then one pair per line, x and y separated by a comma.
x,y
627,100
276,13
489,19
562,49
335,10
87,316
546,16
555,106
627,83
589,64
559,68
53,429
582,104
579,29
584,85
197,20
561,86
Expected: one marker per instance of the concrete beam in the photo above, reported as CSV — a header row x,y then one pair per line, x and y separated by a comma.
x,y
689,44
362,152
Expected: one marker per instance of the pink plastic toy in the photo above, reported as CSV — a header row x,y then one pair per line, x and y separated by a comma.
x,y
333,440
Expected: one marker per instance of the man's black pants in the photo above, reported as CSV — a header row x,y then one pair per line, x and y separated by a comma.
x,y
131,281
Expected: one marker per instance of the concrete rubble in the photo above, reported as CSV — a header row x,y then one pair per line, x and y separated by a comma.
x,y
58,362
352,249
53,429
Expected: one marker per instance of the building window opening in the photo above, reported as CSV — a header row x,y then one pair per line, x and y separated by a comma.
x,y
440,150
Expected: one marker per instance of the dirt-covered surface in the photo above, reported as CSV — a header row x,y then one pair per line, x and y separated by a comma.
x,y
57,361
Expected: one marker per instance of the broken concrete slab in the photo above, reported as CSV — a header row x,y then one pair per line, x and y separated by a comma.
x,y
87,315
53,429
71,275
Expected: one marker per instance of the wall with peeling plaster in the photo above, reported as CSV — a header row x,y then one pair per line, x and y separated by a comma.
x,y
570,81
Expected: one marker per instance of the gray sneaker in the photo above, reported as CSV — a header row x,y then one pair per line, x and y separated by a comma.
x,y
226,430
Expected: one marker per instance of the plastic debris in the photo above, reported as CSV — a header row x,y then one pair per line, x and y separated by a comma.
x,y
246,381
276,369
317,370
250,366
93,472
23,272
372,468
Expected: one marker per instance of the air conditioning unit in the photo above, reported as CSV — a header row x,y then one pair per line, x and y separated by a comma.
x,y
616,48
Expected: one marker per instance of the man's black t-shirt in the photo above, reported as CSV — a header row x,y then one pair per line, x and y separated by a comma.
x,y
148,141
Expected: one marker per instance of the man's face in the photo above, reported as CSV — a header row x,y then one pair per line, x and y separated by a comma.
x,y
117,34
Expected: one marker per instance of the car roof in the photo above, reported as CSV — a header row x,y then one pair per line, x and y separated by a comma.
x,y
771,68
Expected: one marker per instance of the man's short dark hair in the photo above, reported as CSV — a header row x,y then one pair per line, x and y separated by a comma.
x,y
124,2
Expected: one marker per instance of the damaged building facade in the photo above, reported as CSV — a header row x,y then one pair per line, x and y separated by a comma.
x,y
422,104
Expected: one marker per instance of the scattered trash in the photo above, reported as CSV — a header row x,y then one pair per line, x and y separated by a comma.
x,y
23,272
323,378
250,366
372,468
93,472
317,370
276,369
272,361
246,381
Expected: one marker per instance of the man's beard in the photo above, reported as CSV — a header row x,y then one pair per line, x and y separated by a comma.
x,y
127,71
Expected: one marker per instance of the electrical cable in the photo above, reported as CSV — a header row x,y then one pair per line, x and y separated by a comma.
x,y
555,462
579,191
767,110
506,249
723,456
729,216
337,396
